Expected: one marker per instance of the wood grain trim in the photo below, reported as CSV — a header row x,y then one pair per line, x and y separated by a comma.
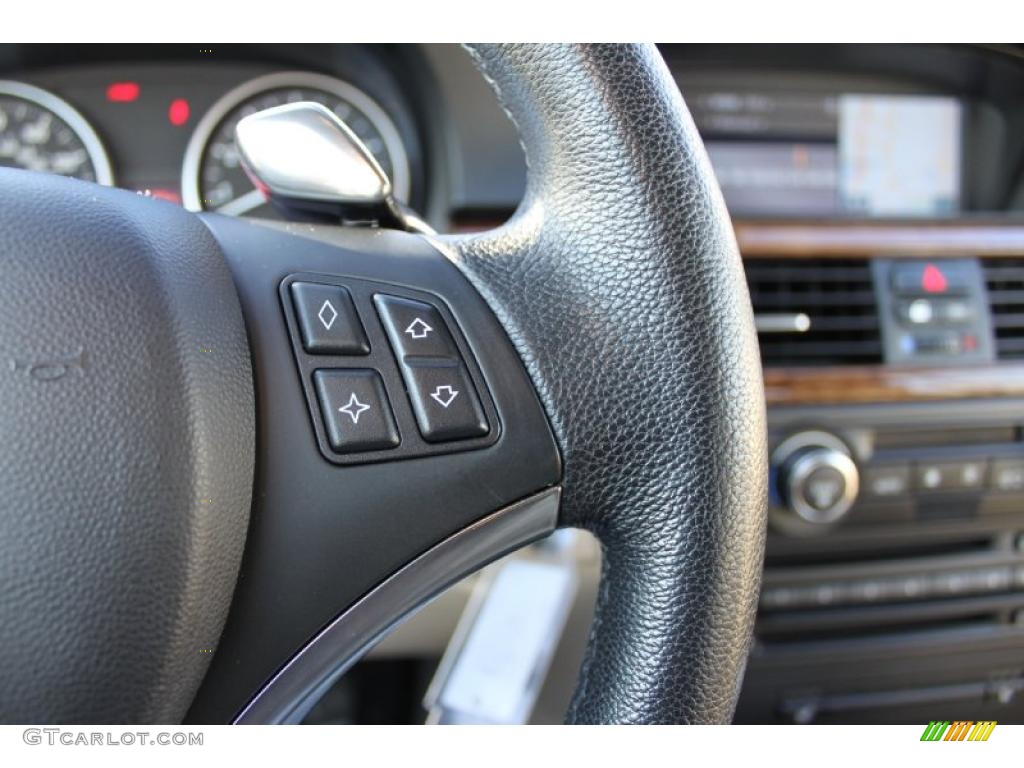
x,y
878,384
867,239
758,239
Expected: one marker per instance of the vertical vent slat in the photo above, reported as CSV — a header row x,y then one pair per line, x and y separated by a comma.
x,y
1004,279
836,294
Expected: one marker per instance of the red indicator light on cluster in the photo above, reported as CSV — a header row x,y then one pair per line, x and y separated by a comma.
x,y
933,281
166,194
179,112
122,92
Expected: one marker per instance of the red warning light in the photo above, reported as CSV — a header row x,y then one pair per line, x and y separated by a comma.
x,y
933,281
178,112
122,92
165,194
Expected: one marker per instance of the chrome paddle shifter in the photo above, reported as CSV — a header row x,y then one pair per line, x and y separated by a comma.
x,y
311,166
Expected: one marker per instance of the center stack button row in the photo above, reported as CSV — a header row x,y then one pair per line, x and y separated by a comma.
x,y
440,389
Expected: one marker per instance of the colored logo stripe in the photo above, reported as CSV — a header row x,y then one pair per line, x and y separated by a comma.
x,y
982,730
958,730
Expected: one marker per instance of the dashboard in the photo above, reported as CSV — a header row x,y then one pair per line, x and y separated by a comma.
x,y
881,132
877,194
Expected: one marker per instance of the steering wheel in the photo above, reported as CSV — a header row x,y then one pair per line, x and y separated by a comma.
x,y
213,505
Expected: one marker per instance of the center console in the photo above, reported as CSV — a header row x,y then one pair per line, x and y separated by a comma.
x,y
894,578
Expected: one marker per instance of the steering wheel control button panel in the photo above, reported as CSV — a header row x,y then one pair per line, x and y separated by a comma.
x,y
385,369
356,410
415,328
328,319
443,399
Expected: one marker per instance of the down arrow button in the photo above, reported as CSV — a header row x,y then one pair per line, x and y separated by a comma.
x,y
444,400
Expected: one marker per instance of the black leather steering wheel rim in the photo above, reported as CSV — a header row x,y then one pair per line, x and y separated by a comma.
x,y
181,540
620,284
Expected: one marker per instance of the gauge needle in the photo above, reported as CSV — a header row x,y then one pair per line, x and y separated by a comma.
x,y
243,204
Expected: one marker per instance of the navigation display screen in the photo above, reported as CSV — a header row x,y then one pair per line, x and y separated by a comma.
x,y
813,155
899,155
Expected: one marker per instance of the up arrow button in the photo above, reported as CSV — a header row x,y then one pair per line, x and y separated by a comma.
x,y
415,328
418,329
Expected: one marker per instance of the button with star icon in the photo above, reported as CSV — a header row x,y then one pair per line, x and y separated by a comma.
x,y
356,410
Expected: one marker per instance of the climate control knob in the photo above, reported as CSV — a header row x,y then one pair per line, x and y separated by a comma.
x,y
816,478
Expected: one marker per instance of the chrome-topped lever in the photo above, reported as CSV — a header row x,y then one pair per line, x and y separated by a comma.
x,y
311,166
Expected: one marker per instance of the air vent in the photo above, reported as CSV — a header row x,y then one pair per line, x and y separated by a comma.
x,y
836,296
1005,281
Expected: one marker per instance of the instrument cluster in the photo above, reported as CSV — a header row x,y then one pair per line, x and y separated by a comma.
x,y
166,129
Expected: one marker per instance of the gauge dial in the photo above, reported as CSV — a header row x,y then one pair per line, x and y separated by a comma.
x,y
41,132
213,178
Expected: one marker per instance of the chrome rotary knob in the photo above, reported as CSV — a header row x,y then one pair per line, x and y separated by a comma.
x,y
815,477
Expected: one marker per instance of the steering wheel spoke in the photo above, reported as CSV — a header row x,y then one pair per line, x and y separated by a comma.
x,y
374,490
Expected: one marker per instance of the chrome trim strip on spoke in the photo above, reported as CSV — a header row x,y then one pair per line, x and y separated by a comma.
x,y
290,694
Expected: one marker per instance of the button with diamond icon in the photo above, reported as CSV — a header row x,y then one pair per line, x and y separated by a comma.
x,y
327,314
328,320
